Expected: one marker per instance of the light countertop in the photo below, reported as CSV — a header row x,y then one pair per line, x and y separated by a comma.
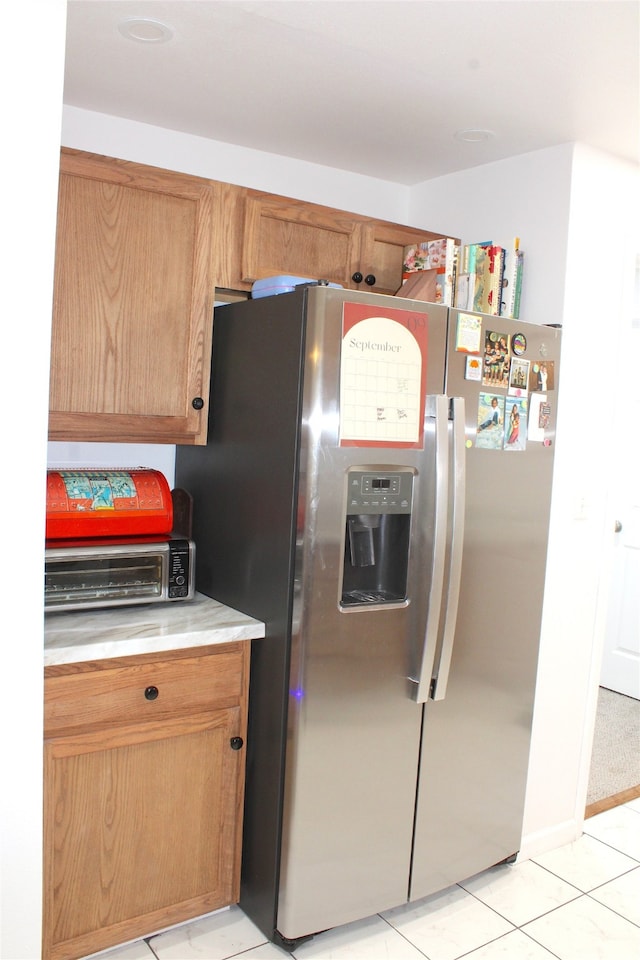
x,y
98,634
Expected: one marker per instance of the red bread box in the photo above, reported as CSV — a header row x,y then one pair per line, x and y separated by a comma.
x,y
107,503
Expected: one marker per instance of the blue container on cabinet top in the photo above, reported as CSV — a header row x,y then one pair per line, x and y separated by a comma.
x,y
271,286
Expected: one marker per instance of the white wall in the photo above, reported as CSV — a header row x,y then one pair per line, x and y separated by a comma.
x,y
573,210
603,241
75,456
144,143
525,196
31,70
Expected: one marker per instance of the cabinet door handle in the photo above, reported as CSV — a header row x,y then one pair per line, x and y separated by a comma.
x,y
370,280
357,277
197,403
151,693
236,743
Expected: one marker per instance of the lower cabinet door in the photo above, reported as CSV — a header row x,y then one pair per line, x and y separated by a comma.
x,y
142,829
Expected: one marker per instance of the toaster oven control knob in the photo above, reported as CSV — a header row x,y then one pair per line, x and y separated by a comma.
x,y
370,280
151,693
357,277
197,403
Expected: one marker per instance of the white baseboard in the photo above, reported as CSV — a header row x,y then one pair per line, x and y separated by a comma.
x,y
534,844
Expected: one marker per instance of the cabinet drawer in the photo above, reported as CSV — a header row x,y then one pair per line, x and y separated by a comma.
x,y
147,691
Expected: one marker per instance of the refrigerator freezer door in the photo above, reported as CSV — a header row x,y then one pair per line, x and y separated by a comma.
x,y
353,731
475,742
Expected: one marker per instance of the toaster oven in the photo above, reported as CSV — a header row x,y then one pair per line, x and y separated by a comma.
x,y
101,574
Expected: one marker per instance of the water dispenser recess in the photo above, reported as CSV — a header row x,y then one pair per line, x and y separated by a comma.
x,y
377,527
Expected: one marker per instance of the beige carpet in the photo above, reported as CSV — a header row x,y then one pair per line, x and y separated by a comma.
x,y
615,761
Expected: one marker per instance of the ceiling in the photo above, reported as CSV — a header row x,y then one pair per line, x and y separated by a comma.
x,y
378,88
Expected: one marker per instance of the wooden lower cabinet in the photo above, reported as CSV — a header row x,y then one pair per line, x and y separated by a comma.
x,y
144,782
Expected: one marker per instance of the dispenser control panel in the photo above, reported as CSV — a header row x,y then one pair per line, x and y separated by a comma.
x,y
379,492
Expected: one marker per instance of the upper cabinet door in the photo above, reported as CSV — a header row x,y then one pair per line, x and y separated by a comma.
x,y
264,235
382,253
283,236
133,303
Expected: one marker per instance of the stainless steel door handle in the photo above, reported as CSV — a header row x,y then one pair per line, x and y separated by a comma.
x,y
454,567
437,407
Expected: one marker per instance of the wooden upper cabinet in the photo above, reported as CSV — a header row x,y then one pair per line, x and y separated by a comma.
x,y
267,235
284,236
133,303
139,253
382,253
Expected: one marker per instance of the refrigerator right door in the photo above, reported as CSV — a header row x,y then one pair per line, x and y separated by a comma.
x,y
476,735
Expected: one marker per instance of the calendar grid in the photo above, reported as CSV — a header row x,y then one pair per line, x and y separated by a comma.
x,y
380,400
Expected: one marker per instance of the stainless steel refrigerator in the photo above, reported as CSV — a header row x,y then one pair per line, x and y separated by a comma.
x,y
376,487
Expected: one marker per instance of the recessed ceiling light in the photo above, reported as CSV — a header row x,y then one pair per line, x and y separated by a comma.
x,y
145,30
474,135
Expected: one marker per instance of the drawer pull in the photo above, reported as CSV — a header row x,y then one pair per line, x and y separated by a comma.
x,y
236,743
151,693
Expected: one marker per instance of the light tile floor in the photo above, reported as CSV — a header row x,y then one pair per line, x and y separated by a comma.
x,y
580,902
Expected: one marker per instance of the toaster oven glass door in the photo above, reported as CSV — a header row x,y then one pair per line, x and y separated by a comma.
x,y
98,580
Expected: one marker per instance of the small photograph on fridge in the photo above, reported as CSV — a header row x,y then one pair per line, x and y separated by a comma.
x,y
515,433
496,359
490,433
542,376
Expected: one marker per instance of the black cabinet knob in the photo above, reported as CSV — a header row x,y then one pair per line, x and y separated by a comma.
x,y
151,693
197,403
357,277
236,743
370,280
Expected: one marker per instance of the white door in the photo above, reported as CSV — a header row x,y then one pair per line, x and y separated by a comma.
x,y
621,658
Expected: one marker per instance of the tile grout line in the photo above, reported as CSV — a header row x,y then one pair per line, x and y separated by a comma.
x,y
613,910
598,885
404,937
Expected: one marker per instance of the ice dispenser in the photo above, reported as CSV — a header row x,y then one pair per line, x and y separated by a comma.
x,y
376,550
